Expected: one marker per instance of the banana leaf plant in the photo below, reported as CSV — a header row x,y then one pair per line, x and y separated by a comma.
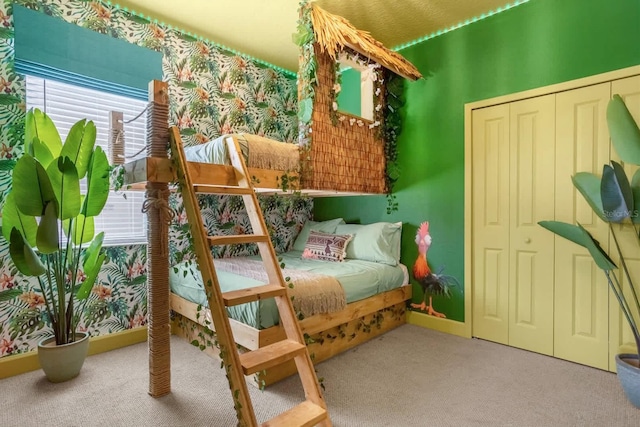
x,y
616,200
49,222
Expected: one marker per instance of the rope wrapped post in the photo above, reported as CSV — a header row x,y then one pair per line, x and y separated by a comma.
x,y
156,205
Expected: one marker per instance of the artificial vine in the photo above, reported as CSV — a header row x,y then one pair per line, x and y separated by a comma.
x,y
390,130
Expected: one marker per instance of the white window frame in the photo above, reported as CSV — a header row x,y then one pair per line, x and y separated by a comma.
x,y
366,86
121,219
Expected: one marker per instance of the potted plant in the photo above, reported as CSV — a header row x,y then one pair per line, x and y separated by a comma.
x,y
616,200
49,223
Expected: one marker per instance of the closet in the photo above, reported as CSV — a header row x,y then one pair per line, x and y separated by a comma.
x,y
530,289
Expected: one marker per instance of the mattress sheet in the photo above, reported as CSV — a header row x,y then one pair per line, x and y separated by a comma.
x,y
360,279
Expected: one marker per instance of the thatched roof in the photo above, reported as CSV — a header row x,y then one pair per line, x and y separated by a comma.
x,y
333,33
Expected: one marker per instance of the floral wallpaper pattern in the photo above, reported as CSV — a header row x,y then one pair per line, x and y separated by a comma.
x,y
212,92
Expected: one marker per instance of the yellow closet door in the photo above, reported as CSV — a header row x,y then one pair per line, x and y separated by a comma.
x,y
490,204
581,293
532,143
621,339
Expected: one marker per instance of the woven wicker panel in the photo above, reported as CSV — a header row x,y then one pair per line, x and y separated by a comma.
x,y
344,157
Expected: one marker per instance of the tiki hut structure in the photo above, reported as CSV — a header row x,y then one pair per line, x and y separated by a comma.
x,y
346,153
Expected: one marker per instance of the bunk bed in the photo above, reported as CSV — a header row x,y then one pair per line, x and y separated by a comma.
x,y
345,155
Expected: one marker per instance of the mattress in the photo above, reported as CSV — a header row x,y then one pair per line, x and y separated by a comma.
x,y
359,279
258,152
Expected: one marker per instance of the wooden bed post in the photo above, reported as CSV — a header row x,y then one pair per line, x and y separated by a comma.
x,y
156,206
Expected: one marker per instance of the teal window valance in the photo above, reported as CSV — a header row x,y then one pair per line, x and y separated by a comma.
x,y
51,48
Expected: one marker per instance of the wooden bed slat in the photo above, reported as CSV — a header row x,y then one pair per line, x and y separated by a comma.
x,y
256,293
272,355
221,189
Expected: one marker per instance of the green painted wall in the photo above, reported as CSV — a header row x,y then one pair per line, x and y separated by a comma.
x,y
539,43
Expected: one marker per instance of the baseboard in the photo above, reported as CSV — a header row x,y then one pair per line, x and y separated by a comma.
x,y
26,362
460,329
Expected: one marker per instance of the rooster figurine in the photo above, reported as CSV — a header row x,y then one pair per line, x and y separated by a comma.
x,y
431,284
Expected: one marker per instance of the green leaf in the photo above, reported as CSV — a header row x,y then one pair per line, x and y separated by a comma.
x,y
228,95
302,36
624,131
85,289
31,186
188,85
83,229
9,294
580,236
23,256
48,233
13,218
6,99
6,33
66,186
588,185
39,125
92,252
615,190
188,131
635,187
305,110
97,184
79,145
7,165
41,153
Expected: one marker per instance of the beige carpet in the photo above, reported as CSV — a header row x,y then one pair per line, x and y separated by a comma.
x,y
408,377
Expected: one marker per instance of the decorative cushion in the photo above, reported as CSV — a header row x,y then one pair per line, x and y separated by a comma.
x,y
324,226
326,247
377,242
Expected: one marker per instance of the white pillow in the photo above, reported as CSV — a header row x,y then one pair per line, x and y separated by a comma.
x,y
377,242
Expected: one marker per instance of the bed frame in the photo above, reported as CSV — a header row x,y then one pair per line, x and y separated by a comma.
x,y
327,334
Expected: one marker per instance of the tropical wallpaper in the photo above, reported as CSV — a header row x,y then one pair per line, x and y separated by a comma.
x,y
212,92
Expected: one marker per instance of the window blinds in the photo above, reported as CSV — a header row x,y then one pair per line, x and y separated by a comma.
x,y
122,219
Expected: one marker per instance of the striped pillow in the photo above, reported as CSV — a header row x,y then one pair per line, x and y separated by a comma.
x,y
326,247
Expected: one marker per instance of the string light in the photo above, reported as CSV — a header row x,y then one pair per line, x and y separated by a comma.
x,y
460,25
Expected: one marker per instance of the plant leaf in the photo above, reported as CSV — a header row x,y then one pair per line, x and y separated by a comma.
x,y
97,184
85,289
588,185
617,198
305,110
92,252
79,145
39,125
31,186
83,229
48,233
66,185
635,187
23,256
624,131
9,294
580,236
13,218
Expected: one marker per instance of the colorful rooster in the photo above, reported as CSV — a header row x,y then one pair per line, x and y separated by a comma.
x,y
431,284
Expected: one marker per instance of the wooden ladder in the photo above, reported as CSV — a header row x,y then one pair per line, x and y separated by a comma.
x,y
313,410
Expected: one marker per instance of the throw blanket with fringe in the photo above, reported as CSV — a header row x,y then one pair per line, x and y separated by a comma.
x,y
312,293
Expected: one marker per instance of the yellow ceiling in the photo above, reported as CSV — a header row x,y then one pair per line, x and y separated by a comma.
x,y
263,28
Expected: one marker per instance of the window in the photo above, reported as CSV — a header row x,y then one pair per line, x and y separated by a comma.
x,y
356,94
122,219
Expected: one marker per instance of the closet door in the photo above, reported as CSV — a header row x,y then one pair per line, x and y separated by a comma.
x,y
490,205
531,199
581,290
621,340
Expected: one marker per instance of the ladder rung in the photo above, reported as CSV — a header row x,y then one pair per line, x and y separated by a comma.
x,y
256,293
237,239
306,414
269,356
222,189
